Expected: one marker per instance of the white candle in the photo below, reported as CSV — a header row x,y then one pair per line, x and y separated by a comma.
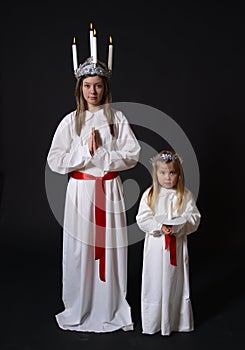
x,y
110,54
91,32
74,54
94,47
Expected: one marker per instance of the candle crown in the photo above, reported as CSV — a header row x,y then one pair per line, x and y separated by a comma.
x,y
90,68
93,66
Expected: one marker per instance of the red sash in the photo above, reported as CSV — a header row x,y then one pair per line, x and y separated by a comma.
x,y
100,215
170,241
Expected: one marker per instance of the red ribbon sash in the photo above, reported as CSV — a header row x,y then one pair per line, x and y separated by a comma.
x,y
170,241
100,215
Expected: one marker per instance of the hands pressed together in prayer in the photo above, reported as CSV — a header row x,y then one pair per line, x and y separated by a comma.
x,y
93,143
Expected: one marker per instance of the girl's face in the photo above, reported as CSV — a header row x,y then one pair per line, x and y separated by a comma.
x,y
93,89
167,175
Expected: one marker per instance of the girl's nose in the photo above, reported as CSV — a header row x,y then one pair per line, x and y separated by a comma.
x,y
93,89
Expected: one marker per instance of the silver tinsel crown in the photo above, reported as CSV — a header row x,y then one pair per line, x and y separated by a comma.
x,y
166,156
91,68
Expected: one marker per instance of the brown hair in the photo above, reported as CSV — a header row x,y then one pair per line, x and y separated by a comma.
x,y
81,104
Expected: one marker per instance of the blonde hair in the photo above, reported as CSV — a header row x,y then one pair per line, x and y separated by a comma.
x,y
82,106
166,157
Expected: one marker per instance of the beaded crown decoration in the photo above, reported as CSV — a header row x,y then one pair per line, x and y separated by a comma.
x,y
166,157
91,68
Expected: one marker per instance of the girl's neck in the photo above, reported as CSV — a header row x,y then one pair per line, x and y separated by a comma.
x,y
168,188
93,109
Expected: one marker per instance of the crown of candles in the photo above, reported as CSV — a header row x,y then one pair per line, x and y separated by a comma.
x,y
92,65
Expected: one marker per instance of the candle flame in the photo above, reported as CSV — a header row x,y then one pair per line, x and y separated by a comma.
x,y
94,32
110,39
74,40
91,26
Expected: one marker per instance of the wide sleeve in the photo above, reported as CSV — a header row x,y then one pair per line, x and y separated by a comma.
x,y
66,152
145,217
124,150
191,214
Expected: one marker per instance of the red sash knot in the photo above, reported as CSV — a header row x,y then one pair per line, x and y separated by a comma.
x,y
170,241
100,215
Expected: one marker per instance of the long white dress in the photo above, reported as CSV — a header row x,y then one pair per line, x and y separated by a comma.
x,y
165,291
91,304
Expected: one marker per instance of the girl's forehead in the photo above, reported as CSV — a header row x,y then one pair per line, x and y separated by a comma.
x,y
93,80
165,166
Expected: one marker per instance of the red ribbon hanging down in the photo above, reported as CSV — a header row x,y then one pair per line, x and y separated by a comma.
x,y
100,215
170,241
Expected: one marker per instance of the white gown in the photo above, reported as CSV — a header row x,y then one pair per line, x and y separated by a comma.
x,y
165,292
91,304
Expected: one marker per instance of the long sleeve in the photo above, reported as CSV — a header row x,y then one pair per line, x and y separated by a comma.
x,y
145,218
150,222
67,153
191,214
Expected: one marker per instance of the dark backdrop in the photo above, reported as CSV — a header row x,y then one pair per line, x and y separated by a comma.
x,y
184,58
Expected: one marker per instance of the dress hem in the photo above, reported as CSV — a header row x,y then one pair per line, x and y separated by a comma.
x,y
77,328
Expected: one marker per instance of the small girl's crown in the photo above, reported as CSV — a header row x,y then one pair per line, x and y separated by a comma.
x,y
166,157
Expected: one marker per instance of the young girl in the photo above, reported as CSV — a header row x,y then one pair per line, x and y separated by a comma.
x,y
167,214
93,143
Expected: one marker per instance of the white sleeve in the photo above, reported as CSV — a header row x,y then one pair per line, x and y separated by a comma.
x,y
66,153
125,150
191,214
145,217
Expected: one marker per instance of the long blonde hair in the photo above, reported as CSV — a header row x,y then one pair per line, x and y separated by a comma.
x,y
82,105
166,157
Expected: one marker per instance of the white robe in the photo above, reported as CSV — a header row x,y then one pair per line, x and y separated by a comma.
x,y
90,304
165,291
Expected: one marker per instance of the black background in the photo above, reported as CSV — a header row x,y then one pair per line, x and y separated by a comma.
x,y
185,58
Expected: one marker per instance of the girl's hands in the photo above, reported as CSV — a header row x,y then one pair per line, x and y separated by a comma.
x,y
167,229
92,143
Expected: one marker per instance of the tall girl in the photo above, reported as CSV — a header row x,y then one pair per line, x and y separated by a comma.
x,y
94,143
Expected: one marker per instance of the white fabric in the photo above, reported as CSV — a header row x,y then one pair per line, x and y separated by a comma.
x,y
165,291
90,304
